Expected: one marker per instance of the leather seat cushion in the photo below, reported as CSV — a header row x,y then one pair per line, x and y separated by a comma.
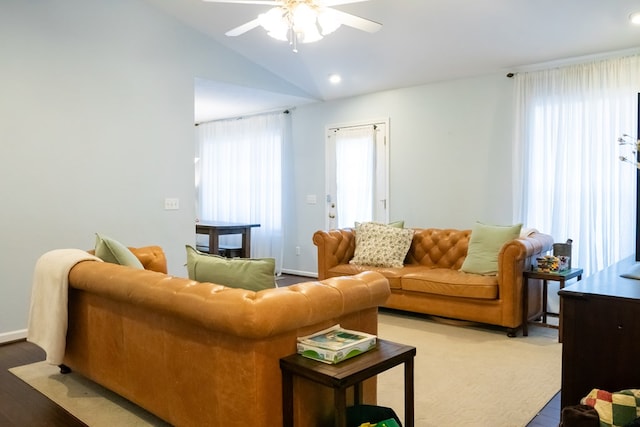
x,y
393,274
445,281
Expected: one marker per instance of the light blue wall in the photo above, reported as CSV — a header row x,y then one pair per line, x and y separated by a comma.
x,y
450,157
96,130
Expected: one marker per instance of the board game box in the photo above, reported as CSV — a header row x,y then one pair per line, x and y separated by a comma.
x,y
335,344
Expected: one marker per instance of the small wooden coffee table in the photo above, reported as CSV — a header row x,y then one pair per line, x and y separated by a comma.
x,y
349,373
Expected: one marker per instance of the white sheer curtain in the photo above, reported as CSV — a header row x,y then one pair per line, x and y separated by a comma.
x,y
569,180
355,169
239,178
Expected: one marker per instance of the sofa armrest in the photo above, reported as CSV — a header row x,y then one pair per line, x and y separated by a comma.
x,y
334,247
514,258
523,249
151,257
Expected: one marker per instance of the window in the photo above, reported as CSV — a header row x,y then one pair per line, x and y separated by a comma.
x,y
239,178
572,182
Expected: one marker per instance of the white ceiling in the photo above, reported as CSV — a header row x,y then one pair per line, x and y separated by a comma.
x,y
421,41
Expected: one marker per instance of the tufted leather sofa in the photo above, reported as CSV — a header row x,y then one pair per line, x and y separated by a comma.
x,y
201,354
430,281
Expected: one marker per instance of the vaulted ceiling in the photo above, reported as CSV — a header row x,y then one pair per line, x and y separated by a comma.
x,y
421,41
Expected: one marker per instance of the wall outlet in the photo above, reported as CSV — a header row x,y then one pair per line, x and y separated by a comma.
x,y
298,250
171,204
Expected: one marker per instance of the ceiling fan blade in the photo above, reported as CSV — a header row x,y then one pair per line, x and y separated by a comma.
x,y
243,28
357,22
265,2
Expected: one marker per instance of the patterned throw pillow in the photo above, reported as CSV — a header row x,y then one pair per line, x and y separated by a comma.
x,y
380,245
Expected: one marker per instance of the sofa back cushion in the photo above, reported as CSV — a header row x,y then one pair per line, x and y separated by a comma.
x,y
439,248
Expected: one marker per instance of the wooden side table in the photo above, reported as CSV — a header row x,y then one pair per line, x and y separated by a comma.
x,y
215,229
349,373
558,276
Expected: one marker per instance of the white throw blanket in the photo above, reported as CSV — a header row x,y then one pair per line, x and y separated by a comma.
x,y
48,320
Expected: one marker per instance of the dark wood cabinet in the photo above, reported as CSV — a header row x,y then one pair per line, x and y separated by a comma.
x,y
601,333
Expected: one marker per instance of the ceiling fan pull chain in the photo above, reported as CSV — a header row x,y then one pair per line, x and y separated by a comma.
x,y
293,39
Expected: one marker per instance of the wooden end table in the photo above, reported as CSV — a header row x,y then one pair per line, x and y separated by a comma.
x,y
345,374
215,229
558,276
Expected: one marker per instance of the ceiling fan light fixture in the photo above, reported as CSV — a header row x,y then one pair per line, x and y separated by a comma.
x,y
275,23
328,21
278,35
308,35
298,22
303,19
302,14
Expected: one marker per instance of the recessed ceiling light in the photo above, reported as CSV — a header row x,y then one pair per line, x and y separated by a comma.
x,y
335,78
635,18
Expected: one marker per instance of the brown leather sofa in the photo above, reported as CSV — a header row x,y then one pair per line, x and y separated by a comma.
x,y
201,354
430,281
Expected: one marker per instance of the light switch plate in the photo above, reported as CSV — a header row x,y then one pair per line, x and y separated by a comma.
x,y
171,204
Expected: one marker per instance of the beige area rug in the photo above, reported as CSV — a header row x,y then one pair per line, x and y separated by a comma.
x,y
464,376
89,402
470,375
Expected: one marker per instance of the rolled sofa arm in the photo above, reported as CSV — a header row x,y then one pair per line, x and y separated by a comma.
x,y
151,257
526,248
514,258
334,247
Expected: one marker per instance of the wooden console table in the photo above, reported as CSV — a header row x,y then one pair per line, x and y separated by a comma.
x,y
600,333
349,373
215,229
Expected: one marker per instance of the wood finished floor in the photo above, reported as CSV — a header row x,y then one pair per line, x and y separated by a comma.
x,y
22,406
549,416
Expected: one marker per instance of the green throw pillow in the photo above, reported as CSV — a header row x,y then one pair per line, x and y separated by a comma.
x,y
253,274
110,250
484,246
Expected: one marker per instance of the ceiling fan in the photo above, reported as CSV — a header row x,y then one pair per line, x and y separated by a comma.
x,y
302,21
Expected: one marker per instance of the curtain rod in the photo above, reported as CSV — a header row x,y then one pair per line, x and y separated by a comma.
x,y
335,129
287,111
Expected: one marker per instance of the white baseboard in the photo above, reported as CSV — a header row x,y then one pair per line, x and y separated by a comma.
x,y
13,336
301,273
